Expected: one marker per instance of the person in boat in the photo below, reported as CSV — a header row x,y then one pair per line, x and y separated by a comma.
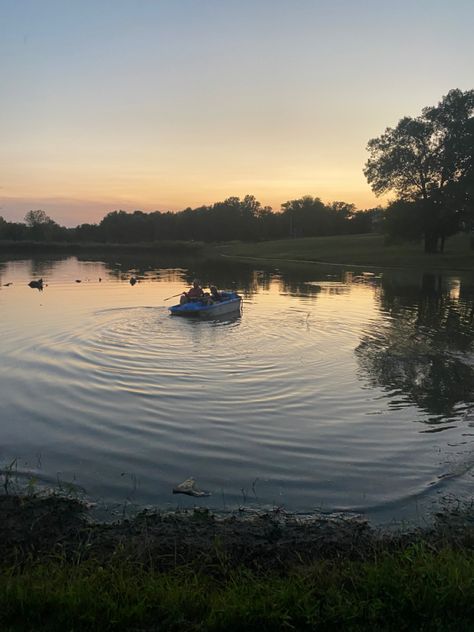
x,y
215,295
193,294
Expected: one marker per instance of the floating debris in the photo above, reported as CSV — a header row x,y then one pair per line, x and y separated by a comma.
x,y
7,284
38,284
190,488
78,281
133,280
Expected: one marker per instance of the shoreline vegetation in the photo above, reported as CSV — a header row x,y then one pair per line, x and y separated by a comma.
x,y
197,571
367,250
72,248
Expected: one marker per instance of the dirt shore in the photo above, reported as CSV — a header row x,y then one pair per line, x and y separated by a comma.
x,y
40,527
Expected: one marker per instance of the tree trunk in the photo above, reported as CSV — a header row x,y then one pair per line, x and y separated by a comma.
x,y
431,243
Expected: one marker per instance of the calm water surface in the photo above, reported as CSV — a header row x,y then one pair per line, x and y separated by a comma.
x,y
331,391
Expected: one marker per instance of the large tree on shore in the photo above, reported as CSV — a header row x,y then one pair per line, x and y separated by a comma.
x,y
41,227
427,161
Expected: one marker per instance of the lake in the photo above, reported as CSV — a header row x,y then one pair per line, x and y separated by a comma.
x,y
333,390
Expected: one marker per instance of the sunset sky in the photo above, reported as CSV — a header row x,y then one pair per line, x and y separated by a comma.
x,y
164,104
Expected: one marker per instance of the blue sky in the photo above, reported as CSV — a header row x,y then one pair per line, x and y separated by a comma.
x,y
167,104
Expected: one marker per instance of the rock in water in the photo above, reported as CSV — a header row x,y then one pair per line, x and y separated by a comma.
x,y
190,488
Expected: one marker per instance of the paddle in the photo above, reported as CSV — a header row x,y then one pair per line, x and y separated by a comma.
x,y
174,296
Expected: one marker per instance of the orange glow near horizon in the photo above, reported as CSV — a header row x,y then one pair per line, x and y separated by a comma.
x,y
163,106
88,192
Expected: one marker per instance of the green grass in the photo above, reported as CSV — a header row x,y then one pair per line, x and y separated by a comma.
x,y
413,589
355,250
360,250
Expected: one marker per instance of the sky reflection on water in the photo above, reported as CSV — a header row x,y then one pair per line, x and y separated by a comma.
x,y
333,390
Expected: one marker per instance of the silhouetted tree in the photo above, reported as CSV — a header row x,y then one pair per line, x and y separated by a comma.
x,y
427,161
402,222
42,228
342,215
366,221
122,227
87,232
36,218
306,217
15,231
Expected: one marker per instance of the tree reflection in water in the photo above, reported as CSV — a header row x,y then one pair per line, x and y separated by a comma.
x,y
424,348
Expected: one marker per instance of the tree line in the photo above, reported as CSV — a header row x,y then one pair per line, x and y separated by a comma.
x,y
426,161
233,219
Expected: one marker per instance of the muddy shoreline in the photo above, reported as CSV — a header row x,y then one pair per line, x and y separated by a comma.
x,y
39,527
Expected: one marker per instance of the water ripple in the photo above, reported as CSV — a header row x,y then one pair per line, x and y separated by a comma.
x,y
328,398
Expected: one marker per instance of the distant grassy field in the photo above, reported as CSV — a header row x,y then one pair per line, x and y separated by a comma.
x,y
354,250
363,250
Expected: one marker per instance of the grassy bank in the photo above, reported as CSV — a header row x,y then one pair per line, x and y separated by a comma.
x,y
361,250
149,248
412,589
351,250
195,571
